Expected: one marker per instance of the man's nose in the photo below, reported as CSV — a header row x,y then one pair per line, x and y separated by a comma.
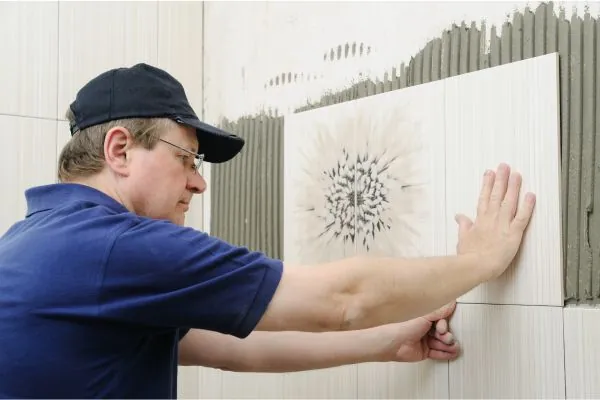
x,y
196,183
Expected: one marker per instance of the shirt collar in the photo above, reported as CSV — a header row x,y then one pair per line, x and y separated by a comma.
x,y
46,197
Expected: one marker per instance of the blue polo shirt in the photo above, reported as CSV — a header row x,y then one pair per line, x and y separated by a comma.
x,y
94,299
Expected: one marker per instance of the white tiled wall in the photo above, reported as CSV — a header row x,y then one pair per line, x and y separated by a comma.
x,y
29,48
582,352
97,36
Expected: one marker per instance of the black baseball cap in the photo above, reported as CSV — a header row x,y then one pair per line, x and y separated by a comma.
x,y
144,91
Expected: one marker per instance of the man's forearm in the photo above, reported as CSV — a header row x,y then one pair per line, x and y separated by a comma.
x,y
385,290
281,351
301,351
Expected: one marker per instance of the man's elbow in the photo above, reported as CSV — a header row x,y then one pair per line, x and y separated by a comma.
x,y
318,298
350,299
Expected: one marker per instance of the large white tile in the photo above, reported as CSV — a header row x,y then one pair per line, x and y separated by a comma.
x,y
509,114
582,352
508,352
98,36
249,385
366,176
29,48
210,380
188,382
180,47
27,159
329,383
423,380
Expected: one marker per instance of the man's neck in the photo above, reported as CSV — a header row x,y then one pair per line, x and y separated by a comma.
x,y
102,184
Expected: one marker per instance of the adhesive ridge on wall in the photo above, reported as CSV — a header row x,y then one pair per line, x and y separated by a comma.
x,y
247,199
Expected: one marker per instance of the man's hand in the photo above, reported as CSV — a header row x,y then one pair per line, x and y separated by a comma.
x,y
496,234
421,338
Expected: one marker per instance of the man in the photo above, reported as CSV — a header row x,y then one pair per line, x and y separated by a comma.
x,y
101,281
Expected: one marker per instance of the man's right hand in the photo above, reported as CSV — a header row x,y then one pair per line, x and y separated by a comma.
x,y
497,232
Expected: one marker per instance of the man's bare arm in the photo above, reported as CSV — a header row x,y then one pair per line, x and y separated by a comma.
x,y
364,292
279,351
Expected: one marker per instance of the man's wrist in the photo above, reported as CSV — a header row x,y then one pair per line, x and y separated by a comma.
x,y
476,267
378,343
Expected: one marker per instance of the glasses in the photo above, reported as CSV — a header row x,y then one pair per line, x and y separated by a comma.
x,y
199,157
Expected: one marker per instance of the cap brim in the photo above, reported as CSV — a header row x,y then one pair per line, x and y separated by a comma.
x,y
217,145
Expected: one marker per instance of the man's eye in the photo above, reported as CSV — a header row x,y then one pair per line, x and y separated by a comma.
x,y
185,159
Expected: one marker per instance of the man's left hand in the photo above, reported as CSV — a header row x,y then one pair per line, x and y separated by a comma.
x,y
422,338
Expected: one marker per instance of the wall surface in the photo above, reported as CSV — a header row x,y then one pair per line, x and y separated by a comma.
x,y
266,61
49,49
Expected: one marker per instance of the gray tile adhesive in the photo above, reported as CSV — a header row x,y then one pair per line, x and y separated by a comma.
x,y
247,200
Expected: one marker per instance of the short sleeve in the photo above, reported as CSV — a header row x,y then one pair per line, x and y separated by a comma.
x,y
162,275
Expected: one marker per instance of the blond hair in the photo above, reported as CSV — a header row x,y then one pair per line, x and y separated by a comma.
x,y
83,155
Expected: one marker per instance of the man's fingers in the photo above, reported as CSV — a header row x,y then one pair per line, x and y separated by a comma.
x,y
442,355
441,313
435,344
441,327
486,191
463,222
500,186
511,200
524,212
446,338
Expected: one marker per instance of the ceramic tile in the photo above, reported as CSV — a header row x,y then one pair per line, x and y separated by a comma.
x,y
509,114
582,352
248,385
210,380
423,380
98,36
30,58
187,382
180,46
508,352
27,159
366,176
330,383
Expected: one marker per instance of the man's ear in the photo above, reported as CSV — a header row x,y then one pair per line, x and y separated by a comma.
x,y
117,144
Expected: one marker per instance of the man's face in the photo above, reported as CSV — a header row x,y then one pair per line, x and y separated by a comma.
x,y
161,182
